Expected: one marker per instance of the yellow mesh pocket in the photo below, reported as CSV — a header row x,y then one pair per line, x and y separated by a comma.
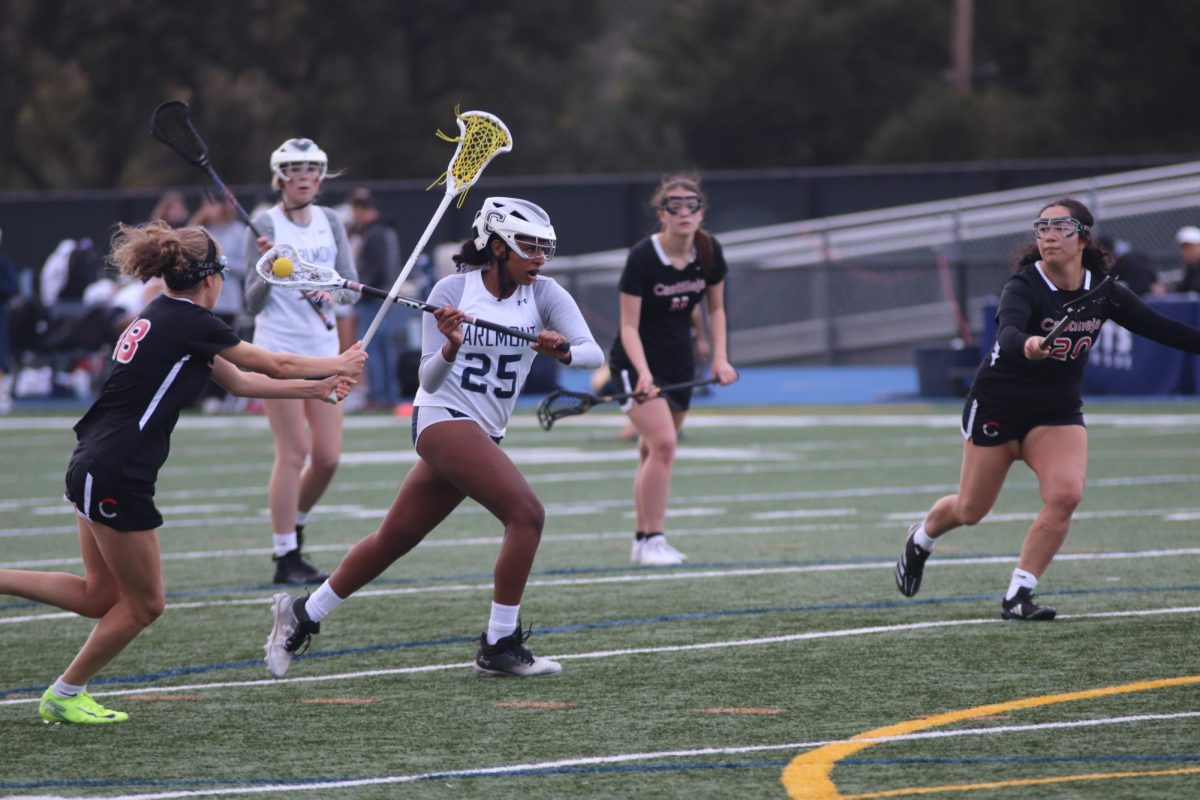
x,y
482,136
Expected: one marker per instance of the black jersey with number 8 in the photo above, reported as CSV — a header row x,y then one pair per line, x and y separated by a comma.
x,y
160,363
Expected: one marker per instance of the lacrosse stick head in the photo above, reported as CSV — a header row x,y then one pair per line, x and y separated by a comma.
x,y
562,403
170,125
282,266
482,137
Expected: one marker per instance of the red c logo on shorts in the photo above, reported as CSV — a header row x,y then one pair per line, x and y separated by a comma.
x,y
107,514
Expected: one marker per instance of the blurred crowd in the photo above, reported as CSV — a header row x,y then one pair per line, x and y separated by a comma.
x,y
59,321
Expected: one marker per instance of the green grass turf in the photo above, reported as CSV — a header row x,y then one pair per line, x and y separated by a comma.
x,y
791,531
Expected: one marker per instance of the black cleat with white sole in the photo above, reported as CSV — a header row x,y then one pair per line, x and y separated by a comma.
x,y
1022,607
911,564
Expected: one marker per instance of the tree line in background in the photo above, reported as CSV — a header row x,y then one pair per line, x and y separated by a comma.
x,y
587,86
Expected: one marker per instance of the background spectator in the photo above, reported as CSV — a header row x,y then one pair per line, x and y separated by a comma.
x,y
378,260
1188,239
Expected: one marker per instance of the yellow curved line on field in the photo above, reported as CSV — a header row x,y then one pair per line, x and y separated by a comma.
x,y
807,776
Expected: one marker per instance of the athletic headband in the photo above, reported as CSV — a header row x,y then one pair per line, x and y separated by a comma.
x,y
212,264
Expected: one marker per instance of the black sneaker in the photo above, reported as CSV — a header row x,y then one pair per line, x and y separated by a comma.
x,y
1022,607
291,568
291,633
911,564
509,657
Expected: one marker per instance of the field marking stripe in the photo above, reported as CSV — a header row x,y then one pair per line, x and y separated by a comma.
x,y
793,637
617,758
1009,784
809,775
645,577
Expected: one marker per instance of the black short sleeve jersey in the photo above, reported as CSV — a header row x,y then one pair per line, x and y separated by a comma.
x,y
668,297
161,362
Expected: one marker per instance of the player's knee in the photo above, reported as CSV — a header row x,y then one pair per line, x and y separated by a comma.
x,y
528,514
325,463
662,448
292,458
1064,498
147,609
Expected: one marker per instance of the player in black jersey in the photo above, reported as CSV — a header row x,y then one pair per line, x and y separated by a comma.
x,y
1025,403
666,276
161,362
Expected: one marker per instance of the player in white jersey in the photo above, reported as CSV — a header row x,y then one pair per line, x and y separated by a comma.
x,y
308,434
470,378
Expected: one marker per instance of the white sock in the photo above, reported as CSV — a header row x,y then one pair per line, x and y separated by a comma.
x,y
285,543
64,689
302,517
502,622
323,601
1020,580
922,539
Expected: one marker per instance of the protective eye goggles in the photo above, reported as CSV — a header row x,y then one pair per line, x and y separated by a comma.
x,y
674,205
531,247
301,168
1066,227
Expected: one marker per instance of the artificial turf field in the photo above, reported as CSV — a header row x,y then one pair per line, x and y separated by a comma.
x,y
780,660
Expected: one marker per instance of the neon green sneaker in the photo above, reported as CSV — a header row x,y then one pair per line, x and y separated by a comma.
x,y
78,710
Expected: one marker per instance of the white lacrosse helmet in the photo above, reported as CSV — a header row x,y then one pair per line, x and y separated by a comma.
x,y
523,226
298,151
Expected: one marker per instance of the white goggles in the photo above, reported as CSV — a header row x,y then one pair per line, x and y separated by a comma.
x,y
1066,227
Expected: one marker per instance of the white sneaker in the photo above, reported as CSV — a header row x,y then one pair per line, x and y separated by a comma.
x,y
635,553
655,552
290,634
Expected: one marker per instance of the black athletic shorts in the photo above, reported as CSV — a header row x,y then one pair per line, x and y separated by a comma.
x,y
677,399
122,504
987,424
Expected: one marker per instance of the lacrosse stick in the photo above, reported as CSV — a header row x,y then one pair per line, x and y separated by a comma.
x,y
1079,308
482,137
563,403
171,126
298,274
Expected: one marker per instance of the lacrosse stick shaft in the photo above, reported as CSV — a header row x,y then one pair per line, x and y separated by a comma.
x,y
371,291
412,259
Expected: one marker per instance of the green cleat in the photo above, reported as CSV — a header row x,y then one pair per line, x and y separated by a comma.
x,y
78,710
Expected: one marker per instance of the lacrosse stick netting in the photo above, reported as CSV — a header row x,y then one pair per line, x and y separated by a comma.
x,y
303,275
482,137
561,403
171,126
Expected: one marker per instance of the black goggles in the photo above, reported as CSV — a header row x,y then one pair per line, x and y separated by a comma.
x,y
674,205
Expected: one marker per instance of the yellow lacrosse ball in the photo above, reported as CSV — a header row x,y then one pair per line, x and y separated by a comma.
x,y
282,267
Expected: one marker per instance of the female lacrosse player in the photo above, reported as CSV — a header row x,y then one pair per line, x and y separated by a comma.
x,y
308,433
666,276
161,362
1025,403
469,381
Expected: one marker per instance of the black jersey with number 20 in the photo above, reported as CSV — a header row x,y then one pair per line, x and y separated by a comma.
x,y
161,362
1030,305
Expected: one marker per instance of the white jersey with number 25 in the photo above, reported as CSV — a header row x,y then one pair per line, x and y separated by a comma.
x,y
486,377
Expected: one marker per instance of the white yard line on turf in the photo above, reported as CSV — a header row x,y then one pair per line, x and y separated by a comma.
x,y
604,504
632,651
624,758
651,576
